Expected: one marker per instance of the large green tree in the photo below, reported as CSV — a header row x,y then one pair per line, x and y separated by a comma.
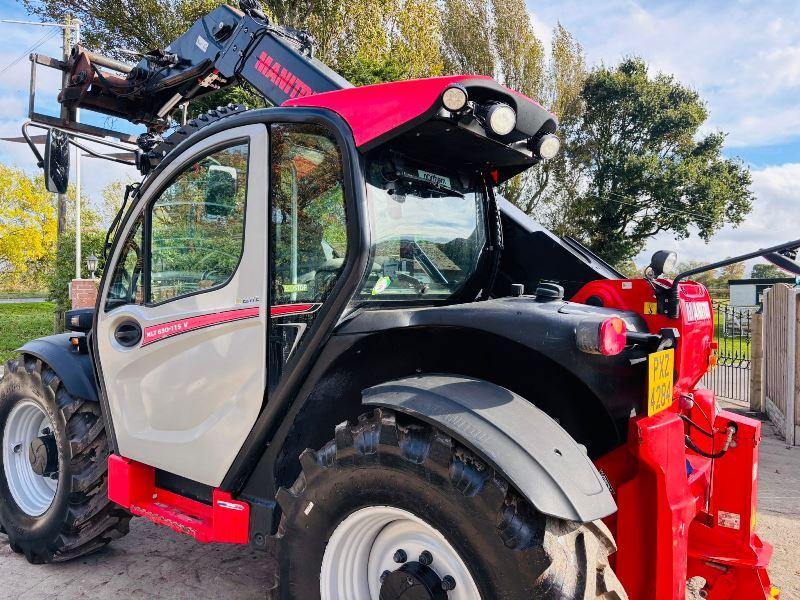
x,y
645,165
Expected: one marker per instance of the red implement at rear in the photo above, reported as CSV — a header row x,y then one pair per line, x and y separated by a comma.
x,y
680,514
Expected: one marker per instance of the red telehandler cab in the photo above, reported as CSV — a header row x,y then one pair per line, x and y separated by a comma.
x,y
320,332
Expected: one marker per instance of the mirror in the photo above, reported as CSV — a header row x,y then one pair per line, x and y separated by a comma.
x,y
221,187
786,260
56,161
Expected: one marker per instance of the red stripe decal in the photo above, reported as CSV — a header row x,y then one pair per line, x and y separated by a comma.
x,y
281,310
155,333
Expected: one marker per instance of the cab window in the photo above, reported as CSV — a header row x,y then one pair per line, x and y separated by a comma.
x,y
307,232
197,226
126,280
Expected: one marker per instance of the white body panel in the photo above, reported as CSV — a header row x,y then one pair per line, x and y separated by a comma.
x,y
186,403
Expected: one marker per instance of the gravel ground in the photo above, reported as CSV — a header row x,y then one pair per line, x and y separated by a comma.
x,y
155,562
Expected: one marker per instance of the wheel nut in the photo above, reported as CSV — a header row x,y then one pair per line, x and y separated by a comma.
x,y
384,575
426,558
400,556
448,583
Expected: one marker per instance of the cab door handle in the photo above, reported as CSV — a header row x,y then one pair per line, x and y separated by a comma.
x,y
128,334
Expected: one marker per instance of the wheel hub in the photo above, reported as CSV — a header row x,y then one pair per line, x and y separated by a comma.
x,y
412,581
43,455
30,458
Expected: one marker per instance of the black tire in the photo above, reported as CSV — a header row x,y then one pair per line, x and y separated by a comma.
x,y
511,550
81,519
193,126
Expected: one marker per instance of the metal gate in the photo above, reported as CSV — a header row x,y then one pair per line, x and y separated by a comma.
x,y
730,379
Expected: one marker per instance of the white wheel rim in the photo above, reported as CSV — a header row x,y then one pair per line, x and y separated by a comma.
x,y
362,547
33,493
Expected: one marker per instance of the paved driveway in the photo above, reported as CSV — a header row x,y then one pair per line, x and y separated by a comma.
x,y
155,562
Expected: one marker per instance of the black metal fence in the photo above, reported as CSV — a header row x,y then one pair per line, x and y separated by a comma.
x,y
730,379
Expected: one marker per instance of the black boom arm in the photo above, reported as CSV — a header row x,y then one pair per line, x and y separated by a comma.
x,y
224,47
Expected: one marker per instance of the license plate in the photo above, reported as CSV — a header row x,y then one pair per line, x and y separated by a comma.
x,y
660,367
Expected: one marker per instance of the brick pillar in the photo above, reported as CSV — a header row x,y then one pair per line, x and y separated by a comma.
x,y
83,293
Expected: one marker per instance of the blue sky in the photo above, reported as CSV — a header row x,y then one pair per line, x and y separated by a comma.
x,y
742,56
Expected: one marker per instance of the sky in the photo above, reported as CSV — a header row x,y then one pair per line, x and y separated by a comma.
x,y
742,56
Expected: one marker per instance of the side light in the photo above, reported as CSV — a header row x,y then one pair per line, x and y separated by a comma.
x,y
501,118
546,146
607,337
454,98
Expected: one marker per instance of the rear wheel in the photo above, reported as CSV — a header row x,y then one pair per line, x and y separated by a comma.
x,y
53,481
394,510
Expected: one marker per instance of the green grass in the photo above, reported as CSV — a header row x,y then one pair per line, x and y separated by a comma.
x,y
22,322
733,346
34,294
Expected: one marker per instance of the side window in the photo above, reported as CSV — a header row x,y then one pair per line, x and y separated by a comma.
x,y
197,226
126,281
308,231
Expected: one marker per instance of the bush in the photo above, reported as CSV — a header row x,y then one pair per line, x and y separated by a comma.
x,y
92,241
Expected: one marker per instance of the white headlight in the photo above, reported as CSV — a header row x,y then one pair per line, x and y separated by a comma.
x,y
454,98
501,118
547,146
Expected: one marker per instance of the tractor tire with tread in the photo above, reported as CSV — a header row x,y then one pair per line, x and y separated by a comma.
x,y
80,519
169,143
511,550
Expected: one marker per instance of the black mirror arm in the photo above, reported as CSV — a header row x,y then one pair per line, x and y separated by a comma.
x,y
34,149
668,303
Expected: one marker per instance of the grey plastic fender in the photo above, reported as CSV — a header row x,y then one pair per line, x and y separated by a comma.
x,y
74,370
520,441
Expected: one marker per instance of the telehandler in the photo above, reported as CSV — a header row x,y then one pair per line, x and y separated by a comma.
x,y
319,332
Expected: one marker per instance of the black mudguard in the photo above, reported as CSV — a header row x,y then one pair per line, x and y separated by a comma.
x,y
520,441
74,369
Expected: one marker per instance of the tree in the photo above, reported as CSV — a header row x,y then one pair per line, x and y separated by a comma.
x,y
707,278
734,271
27,227
768,271
646,167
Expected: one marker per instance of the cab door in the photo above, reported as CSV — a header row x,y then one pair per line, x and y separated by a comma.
x,y
182,322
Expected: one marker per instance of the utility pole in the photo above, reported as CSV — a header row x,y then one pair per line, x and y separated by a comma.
x,y
61,210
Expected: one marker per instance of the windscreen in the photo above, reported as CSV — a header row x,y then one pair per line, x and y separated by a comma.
x,y
428,229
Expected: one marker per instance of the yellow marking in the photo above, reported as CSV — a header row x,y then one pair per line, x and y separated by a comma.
x,y
650,308
660,368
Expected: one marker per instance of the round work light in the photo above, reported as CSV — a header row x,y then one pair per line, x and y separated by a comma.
x,y
454,98
501,118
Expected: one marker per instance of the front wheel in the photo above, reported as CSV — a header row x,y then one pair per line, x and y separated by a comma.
x,y
53,477
393,510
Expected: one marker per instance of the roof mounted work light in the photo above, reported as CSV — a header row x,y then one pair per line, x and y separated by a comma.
x,y
455,97
499,118
546,146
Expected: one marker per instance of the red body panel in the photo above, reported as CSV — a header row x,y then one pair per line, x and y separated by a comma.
x,y
372,111
694,349
680,514
132,485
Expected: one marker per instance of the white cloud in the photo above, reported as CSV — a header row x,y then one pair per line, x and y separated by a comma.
x,y
743,57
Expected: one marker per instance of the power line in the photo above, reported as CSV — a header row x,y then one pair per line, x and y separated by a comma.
x,y
47,36
698,216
